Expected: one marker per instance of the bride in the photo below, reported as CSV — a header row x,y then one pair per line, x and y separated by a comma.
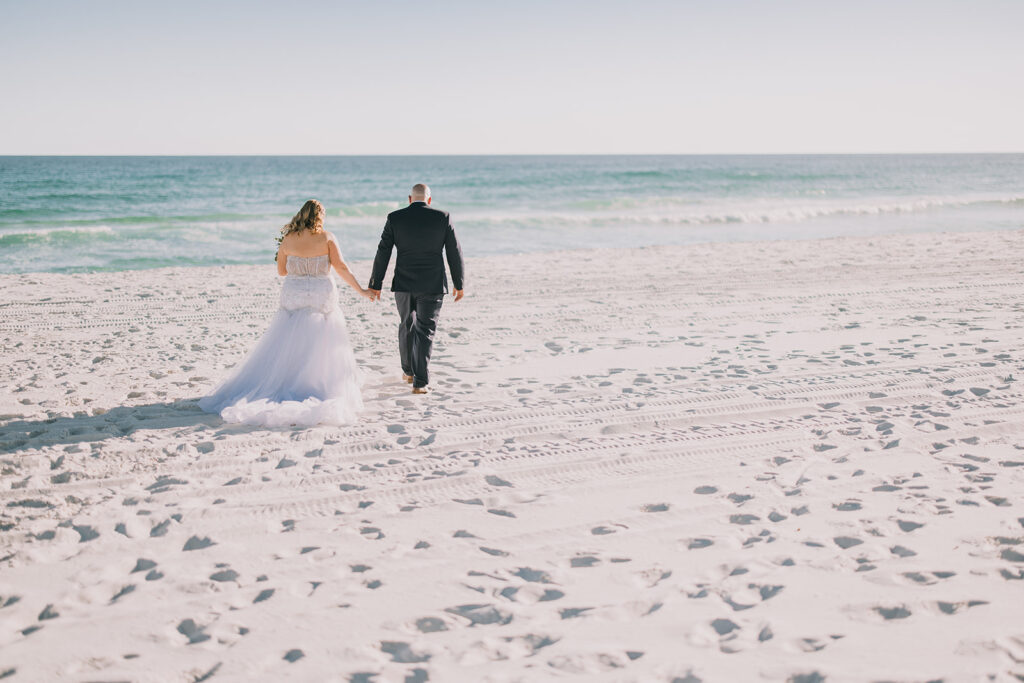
x,y
302,372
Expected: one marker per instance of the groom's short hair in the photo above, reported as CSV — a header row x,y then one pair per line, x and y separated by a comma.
x,y
420,191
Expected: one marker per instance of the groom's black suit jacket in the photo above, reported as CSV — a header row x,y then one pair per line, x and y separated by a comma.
x,y
420,233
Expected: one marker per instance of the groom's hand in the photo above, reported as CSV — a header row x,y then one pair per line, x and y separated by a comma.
x,y
458,294
374,294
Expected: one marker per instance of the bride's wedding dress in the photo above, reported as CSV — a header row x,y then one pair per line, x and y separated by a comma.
x,y
302,372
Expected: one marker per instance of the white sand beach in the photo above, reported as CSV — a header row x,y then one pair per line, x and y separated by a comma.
x,y
726,462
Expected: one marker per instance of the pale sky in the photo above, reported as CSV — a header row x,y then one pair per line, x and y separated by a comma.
x,y
480,77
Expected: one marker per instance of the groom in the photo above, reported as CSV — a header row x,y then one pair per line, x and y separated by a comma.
x,y
420,232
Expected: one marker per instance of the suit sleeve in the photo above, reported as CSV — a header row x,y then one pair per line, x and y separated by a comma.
x,y
380,263
454,253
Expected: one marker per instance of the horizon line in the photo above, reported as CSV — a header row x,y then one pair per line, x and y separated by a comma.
x,y
516,154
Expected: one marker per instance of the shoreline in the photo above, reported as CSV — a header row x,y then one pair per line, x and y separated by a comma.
x,y
554,252
726,460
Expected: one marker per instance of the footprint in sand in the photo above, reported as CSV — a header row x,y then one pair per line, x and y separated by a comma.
x,y
573,612
430,625
192,631
533,575
224,575
125,590
401,652
197,543
479,615
889,613
743,519
724,627
142,565
954,607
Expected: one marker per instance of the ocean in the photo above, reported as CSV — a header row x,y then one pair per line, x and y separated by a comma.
x,y
73,214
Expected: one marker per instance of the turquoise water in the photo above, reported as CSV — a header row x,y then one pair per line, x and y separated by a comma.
x,y
122,213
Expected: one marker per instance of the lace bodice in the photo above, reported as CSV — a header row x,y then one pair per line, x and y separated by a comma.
x,y
308,266
309,284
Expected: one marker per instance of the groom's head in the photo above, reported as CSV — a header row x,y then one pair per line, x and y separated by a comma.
x,y
420,193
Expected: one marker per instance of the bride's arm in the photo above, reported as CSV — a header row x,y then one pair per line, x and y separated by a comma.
x,y
342,269
282,260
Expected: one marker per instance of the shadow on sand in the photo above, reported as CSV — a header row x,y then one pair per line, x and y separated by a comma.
x,y
18,435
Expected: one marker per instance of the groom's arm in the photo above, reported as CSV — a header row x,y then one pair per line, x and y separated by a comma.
x,y
453,251
380,263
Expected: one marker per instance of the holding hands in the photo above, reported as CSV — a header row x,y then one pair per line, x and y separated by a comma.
x,y
374,294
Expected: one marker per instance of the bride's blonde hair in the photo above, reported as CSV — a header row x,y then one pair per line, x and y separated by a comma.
x,y
310,217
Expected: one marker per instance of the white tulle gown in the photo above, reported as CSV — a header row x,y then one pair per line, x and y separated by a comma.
x,y
302,372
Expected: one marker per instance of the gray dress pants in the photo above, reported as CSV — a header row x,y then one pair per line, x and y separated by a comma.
x,y
418,314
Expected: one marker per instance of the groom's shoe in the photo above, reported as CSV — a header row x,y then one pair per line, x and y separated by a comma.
x,y
407,378
420,390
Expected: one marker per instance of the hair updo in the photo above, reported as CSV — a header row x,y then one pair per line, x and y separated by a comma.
x,y
310,217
